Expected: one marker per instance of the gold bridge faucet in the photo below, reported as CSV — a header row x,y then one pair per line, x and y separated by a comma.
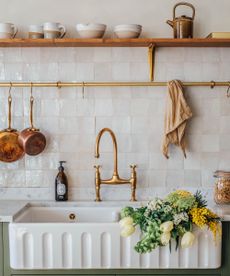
x,y
115,179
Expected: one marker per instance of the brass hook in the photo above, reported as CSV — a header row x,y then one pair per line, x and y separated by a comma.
x,y
212,84
31,90
10,89
83,90
228,90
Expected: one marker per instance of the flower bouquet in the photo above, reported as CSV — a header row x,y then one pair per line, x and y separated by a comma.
x,y
171,218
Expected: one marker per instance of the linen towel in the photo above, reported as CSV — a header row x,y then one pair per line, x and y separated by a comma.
x,y
176,115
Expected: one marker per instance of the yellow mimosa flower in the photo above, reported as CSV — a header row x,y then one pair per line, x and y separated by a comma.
x,y
183,193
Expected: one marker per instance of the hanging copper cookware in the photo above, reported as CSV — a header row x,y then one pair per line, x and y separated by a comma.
x,y
10,150
31,139
183,25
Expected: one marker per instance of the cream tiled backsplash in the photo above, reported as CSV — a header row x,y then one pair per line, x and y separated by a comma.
x,y
71,121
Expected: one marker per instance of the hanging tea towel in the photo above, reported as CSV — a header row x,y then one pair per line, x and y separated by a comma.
x,y
176,115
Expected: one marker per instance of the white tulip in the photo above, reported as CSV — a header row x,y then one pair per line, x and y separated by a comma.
x,y
126,221
165,238
187,240
128,230
166,226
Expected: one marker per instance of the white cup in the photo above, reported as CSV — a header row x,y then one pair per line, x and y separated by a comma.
x,y
8,30
53,30
36,31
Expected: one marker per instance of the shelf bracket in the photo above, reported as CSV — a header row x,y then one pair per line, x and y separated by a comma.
x,y
151,59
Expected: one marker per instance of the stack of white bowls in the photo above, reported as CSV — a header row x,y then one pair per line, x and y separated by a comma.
x,y
91,30
128,30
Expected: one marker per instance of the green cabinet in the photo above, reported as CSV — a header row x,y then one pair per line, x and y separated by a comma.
x,y
1,250
175,272
5,269
130,274
225,269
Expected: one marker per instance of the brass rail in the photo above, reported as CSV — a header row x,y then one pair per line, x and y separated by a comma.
x,y
59,84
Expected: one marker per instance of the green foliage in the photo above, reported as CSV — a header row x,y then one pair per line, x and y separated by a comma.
x,y
185,204
181,203
201,202
127,212
150,239
174,209
139,218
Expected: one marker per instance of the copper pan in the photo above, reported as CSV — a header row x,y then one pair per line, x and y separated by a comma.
x,y
10,150
31,139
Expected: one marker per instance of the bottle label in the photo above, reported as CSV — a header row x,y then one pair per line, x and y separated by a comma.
x,y
61,189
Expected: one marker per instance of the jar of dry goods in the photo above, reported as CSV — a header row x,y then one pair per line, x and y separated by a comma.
x,y
222,187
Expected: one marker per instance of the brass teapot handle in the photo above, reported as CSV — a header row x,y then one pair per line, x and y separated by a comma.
x,y
184,4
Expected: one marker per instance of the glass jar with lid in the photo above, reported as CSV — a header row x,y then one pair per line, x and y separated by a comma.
x,y
222,187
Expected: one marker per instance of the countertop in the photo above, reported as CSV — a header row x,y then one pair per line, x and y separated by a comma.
x,y
10,208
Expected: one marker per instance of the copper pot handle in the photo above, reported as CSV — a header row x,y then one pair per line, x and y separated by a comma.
x,y
31,112
184,4
31,109
9,112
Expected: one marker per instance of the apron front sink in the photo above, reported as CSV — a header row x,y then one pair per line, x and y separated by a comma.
x,y
89,237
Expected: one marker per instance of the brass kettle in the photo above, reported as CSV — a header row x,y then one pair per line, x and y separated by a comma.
x,y
183,25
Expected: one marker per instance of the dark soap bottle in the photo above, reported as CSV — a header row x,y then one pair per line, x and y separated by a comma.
x,y
61,184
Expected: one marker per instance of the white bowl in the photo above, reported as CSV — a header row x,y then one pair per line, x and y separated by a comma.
x,y
127,34
133,27
128,30
91,30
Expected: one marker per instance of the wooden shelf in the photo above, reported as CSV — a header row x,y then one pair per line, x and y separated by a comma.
x,y
109,42
150,43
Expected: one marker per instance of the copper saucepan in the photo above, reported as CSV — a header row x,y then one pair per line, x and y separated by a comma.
x,y
10,150
31,139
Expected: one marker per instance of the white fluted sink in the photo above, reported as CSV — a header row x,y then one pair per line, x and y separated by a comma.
x,y
50,237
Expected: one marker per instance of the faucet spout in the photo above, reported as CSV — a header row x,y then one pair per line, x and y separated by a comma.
x,y
97,152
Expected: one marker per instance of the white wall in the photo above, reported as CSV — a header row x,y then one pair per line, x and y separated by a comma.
x,y
71,123
211,15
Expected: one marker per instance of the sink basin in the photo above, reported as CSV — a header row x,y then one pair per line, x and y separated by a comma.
x,y
70,237
68,215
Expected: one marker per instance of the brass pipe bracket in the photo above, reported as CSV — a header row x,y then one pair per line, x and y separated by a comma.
x,y
212,84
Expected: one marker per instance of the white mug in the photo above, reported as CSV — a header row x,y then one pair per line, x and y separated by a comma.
x,y
53,30
36,31
8,30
